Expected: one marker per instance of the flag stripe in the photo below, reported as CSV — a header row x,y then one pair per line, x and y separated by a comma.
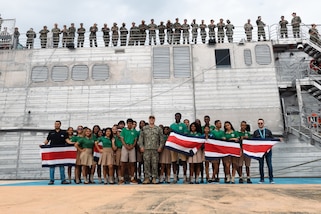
x,y
218,149
58,156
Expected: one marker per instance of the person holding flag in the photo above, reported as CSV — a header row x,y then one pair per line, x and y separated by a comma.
x,y
264,133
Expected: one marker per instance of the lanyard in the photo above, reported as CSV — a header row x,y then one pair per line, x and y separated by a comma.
x,y
262,134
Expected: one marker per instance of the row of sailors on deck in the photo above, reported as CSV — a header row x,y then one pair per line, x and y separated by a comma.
x,y
174,31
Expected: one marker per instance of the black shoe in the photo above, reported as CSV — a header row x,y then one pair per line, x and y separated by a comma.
x,y
248,181
191,182
210,180
241,181
216,180
202,181
51,183
65,182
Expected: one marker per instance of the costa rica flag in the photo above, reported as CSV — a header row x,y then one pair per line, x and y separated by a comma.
x,y
187,145
58,156
219,148
256,148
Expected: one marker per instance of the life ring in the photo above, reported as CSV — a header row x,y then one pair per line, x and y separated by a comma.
x,y
314,65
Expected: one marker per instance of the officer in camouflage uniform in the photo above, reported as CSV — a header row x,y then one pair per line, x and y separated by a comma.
x,y
177,32
169,31
220,31
152,31
43,36
229,31
194,31
81,35
65,36
31,35
106,34
55,35
211,30
151,143
295,22
260,29
161,32
185,29
115,34
203,31
92,37
142,35
283,27
133,35
248,30
123,35
72,31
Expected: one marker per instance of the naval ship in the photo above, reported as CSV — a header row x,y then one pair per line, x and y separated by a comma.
x,y
277,80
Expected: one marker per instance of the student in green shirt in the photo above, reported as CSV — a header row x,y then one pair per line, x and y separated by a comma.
x,y
196,160
107,155
231,135
219,134
181,128
207,120
117,151
85,146
128,138
244,134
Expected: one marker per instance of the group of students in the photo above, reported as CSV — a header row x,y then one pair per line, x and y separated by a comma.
x,y
116,151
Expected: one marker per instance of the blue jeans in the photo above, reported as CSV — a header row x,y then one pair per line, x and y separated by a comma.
x,y
268,157
52,173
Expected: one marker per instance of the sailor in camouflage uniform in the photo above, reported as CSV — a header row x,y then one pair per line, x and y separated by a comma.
x,y
152,27
106,34
81,35
260,29
151,143
185,29
161,32
55,35
194,31
43,36
123,35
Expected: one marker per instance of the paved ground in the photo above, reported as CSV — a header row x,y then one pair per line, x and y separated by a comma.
x,y
18,197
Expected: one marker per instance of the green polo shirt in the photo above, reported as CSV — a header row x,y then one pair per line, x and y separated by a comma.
x,y
106,142
179,128
129,135
85,142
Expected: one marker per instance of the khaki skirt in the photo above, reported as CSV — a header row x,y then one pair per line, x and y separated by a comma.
x,y
107,157
165,156
197,158
86,157
117,156
78,162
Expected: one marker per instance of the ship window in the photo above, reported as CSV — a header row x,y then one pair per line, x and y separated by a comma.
x,y
247,57
181,62
79,72
100,72
263,54
161,62
59,73
39,74
222,58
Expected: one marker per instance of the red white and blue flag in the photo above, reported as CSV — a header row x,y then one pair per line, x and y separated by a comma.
x,y
256,148
97,154
218,149
187,145
58,156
